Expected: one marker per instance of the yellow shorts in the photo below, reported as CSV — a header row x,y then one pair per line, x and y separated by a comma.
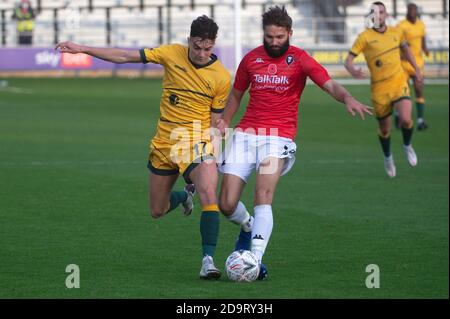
x,y
409,68
168,157
386,93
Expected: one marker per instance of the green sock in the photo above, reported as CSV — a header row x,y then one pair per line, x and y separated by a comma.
x,y
209,229
385,145
407,134
420,110
176,198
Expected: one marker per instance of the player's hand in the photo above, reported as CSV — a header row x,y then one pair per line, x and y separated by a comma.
x,y
222,125
69,47
418,75
358,73
354,106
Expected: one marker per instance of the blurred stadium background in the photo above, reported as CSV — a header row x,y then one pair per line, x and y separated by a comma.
x,y
325,28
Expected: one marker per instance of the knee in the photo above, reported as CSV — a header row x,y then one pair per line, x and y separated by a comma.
x,y
227,207
207,195
384,132
406,122
156,211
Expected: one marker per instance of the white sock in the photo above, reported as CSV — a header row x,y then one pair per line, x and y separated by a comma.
x,y
261,230
241,217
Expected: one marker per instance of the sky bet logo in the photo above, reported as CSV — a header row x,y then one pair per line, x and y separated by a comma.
x,y
65,60
271,79
47,58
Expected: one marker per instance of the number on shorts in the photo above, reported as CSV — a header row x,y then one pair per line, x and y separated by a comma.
x,y
200,149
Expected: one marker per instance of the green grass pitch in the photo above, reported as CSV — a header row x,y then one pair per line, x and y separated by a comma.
x,y
73,190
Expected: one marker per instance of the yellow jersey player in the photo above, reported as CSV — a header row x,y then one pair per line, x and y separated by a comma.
x,y
195,87
414,30
381,46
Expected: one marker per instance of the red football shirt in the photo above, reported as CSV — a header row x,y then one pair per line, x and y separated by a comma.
x,y
276,85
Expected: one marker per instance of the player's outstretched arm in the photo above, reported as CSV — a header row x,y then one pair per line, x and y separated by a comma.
x,y
108,54
357,73
233,102
339,93
424,46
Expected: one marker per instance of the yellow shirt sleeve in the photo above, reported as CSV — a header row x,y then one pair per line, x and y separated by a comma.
x,y
359,45
219,100
402,35
155,55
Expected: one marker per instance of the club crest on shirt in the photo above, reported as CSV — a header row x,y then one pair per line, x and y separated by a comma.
x,y
272,69
174,99
289,59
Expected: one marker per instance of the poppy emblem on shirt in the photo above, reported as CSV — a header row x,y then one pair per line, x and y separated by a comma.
x,y
272,69
289,59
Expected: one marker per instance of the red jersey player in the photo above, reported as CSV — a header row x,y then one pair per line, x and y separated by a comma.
x,y
264,140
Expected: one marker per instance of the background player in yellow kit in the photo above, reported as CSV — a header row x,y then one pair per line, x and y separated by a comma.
x,y
381,47
414,30
195,87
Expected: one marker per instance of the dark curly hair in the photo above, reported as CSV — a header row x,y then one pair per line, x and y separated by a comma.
x,y
277,16
204,28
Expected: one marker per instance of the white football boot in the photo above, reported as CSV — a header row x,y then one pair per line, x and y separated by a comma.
x,y
188,205
208,270
410,155
389,166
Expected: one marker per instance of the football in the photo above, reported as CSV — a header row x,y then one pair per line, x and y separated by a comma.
x,y
242,265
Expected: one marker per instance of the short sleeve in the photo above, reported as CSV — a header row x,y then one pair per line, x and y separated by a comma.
x,y
155,55
358,46
402,35
220,98
242,78
314,70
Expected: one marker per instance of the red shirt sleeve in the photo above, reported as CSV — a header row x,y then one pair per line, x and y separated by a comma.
x,y
242,78
315,71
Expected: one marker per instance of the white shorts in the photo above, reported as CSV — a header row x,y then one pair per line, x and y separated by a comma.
x,y
244,153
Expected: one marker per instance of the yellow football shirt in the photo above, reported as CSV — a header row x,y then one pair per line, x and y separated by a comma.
x,y
190,92
381,51
414,33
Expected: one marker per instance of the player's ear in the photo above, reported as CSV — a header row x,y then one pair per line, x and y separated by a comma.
x,y
290,33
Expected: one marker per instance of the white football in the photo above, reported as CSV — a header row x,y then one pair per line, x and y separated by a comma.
x,y
242,265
